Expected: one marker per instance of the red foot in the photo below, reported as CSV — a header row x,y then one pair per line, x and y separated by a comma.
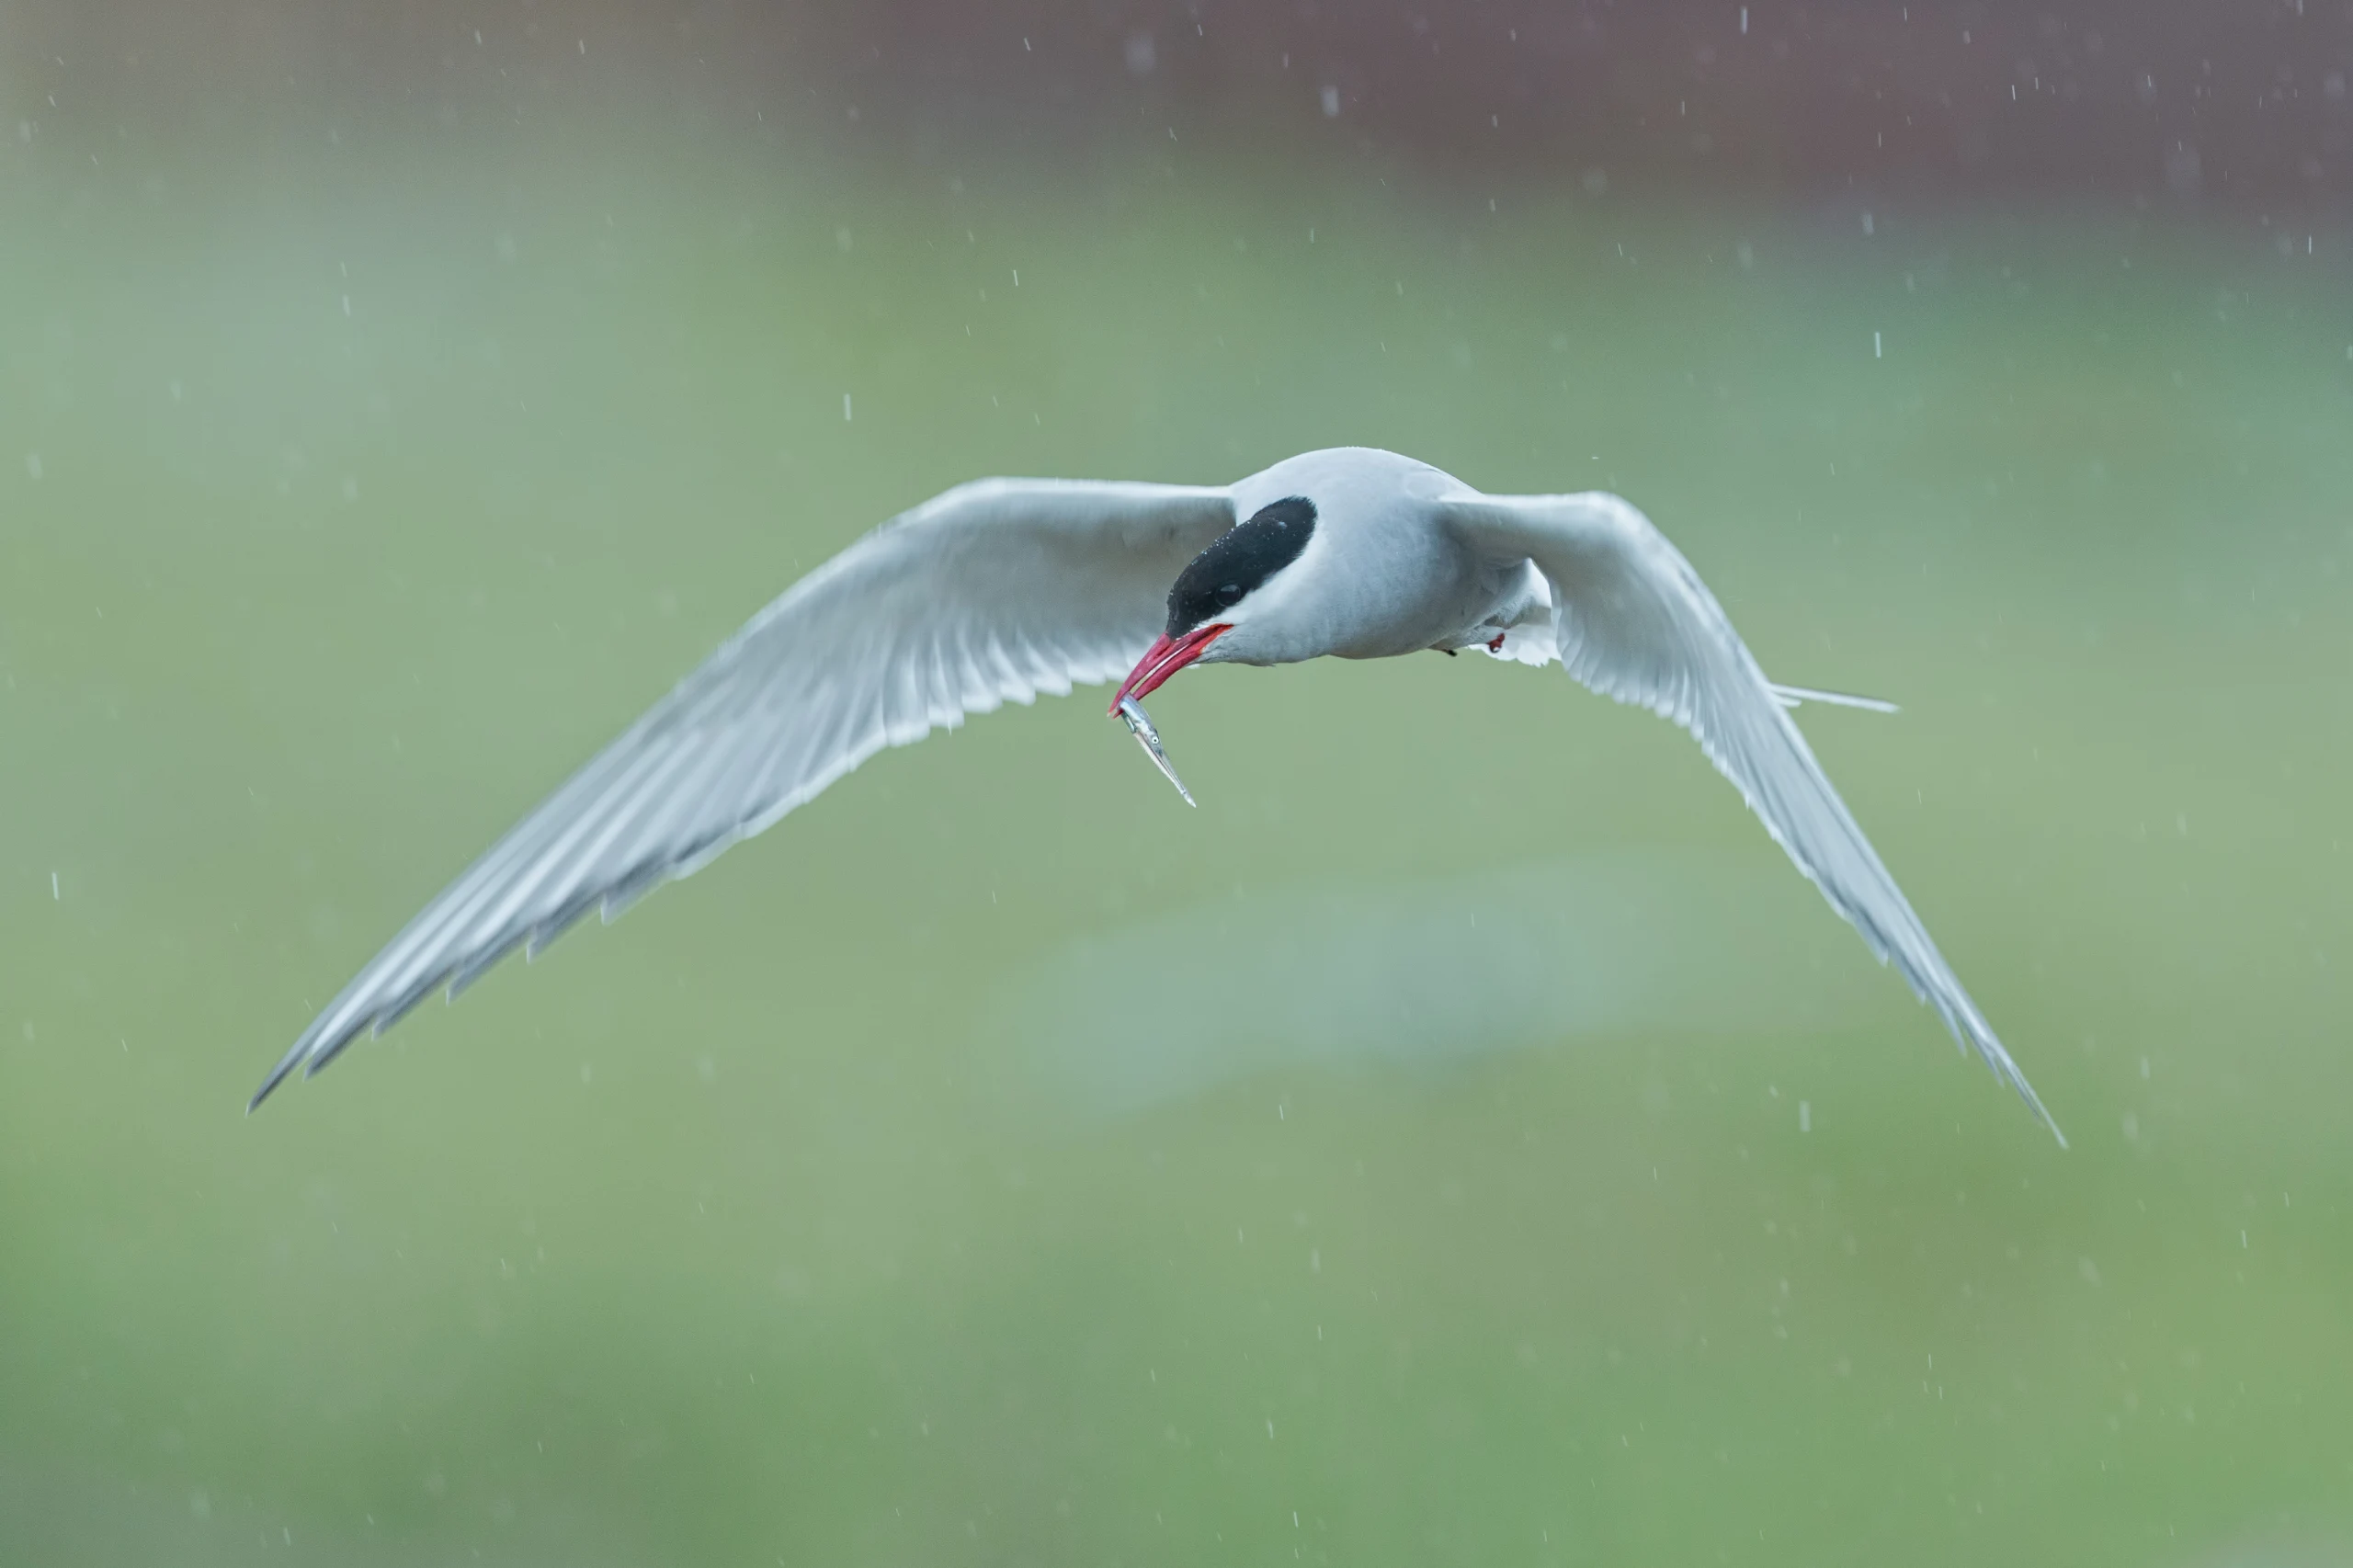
x,y
1498,646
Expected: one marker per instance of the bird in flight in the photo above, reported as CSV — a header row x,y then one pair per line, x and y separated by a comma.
x,y
1003,588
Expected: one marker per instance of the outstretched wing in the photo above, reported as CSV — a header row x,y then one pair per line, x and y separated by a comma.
x,y
1631,619
993,592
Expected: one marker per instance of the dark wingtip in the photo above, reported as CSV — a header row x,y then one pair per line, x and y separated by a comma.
x,y
277,1076
308,1054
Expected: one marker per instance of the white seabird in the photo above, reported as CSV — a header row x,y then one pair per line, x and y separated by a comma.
x,y
1003,588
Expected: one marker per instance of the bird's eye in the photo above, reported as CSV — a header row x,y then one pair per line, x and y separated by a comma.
x,y
1229,593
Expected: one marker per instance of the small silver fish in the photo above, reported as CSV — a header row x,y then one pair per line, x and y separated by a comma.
x,y
1138,724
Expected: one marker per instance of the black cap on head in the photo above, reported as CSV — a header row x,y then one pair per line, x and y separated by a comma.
x,y
1242,557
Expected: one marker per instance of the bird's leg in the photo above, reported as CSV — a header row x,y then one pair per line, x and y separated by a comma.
x,y
1138,724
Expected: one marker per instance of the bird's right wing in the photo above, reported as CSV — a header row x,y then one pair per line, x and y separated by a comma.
x,y
996,591
1632,621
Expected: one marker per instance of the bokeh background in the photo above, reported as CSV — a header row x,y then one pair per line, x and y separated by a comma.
x,y
1464,1139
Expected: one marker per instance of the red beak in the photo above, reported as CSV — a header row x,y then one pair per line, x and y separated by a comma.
x,y
1164,658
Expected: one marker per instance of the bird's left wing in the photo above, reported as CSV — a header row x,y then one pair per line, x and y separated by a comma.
x,y
1631,619
995,591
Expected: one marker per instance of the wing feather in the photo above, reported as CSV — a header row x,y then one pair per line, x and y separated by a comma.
x,y
1633,621
993,592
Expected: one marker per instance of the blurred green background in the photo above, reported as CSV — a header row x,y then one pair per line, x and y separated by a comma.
x,y
1401,1159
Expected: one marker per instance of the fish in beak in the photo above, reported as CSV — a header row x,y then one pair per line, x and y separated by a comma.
x,y
1138,724
1164,658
